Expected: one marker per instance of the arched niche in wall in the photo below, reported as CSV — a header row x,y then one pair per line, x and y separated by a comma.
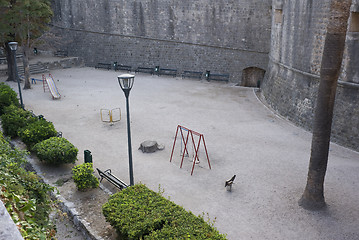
x,y
252,77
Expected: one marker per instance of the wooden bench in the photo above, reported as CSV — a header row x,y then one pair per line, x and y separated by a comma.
x,y
192,74
61,53
217,77
103,65
123,67
167,71
111,178
145,70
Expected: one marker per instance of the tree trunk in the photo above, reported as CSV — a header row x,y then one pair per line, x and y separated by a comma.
x,y
313,196
25,60
10,64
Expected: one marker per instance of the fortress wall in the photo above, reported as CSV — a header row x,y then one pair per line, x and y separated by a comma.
x,y
217,35
292,77
223,37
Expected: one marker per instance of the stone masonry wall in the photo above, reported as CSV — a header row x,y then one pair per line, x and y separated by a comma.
x,y
8,229
220,36
292,77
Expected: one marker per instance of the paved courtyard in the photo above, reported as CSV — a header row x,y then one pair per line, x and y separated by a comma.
x,y
268,154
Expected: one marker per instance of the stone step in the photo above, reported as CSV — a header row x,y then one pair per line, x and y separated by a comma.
x,y
34,68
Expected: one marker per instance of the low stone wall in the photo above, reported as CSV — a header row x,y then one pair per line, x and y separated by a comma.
x,y
53,64
68,62
8,229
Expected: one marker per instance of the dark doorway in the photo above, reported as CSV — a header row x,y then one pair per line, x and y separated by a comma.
x,y
252,77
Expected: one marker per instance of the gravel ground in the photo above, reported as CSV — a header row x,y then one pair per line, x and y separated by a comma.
x,y
268,154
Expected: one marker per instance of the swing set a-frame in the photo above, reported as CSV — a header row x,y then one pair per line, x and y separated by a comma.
x,y
186,144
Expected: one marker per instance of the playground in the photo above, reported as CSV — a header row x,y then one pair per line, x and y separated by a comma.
x,y
268,155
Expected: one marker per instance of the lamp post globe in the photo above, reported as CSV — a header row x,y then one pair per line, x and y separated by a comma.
x,y
126,82
13,46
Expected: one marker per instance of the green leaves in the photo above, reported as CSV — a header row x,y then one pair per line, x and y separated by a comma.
x,y
25,19
36,132
7,97
139,213
24,195
56,150
83,177
15,118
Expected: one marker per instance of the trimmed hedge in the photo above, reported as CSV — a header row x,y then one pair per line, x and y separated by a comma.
x,y
140,213
15,118
36,132
83,177
7,97
56,150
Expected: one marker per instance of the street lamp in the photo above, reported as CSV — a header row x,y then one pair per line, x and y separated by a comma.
x,y
13,47
126,83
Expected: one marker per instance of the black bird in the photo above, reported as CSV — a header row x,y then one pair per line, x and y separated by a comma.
x,y
230,181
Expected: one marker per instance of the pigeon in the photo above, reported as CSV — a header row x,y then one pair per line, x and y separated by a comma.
x,y
230,181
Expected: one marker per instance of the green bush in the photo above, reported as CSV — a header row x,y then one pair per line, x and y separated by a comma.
x,y
36,132
83,177
139,213
56,150
7,97
15,118
24,195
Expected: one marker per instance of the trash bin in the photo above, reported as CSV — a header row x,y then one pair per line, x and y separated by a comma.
x,y
208,73
87,156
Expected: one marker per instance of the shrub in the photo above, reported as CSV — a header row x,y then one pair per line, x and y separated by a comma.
x,y
15,118
83,177
7,97
24,195
36,132
139,213
56,150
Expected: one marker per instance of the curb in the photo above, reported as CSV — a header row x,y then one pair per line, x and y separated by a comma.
x,y
65,206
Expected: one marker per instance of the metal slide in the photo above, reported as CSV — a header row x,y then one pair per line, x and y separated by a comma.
x,y
52,87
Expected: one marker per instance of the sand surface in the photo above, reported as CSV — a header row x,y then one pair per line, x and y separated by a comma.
x,y
268,154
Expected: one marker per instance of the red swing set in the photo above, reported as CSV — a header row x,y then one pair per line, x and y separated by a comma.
x,y
185,141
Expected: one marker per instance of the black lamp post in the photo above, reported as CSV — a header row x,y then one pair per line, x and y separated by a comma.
x,y
126,83
13,47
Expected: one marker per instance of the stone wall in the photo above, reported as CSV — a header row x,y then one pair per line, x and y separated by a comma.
x,y
220,36
223,37
52,64
8,229
292,77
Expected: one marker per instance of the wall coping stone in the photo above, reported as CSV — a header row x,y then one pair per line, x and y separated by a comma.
x,y
8,229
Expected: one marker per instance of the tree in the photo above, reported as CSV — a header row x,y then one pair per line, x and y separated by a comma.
x,y
23,21
6,36
313,196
